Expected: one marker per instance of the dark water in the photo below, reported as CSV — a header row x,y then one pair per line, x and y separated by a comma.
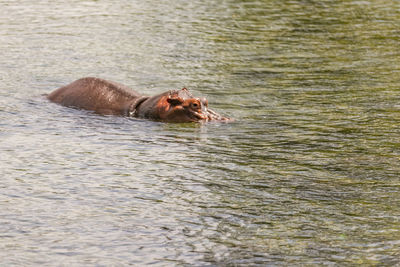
x,y
307,175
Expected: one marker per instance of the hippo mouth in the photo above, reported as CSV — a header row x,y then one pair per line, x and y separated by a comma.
x,y
207,115
214,116
198,116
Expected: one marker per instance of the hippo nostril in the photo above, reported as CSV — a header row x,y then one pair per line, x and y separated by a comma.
x,y
204,101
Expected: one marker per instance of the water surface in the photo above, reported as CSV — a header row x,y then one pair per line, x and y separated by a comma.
x,y
308,174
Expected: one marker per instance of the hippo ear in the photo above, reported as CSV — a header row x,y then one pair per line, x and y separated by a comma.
x,y
175,100
184,92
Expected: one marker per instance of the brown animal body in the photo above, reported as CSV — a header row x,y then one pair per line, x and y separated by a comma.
x,y
110,98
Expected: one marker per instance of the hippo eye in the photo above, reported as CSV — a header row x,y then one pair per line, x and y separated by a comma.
x,y
195,105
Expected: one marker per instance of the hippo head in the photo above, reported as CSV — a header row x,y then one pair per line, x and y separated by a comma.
x,y
178,106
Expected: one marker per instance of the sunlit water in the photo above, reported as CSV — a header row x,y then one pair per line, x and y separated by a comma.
x,y
308,174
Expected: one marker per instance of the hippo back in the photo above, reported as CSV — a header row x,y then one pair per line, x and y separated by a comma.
x,y
99,95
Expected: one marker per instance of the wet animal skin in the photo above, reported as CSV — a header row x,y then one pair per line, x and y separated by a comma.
x,y
111,98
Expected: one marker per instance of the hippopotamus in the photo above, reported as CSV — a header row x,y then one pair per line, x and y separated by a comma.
x,y
111,98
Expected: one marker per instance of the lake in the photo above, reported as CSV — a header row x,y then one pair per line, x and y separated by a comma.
x,y
308,174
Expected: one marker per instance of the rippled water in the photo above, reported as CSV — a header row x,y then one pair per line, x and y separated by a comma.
x,y
307,175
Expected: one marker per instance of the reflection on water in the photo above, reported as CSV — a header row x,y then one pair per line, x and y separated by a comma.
x,y
307,174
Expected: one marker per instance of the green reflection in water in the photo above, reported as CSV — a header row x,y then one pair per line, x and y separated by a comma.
x,y
308,173
314,180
